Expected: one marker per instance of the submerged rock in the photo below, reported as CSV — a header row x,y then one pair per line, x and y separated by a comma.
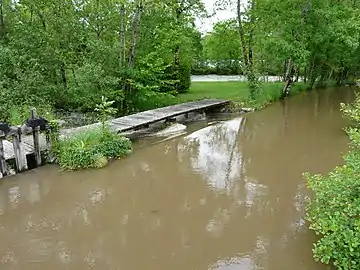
x,y
247,110
171,130
100,162
8,171
197,117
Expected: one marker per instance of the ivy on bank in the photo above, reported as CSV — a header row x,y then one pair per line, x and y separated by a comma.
x,y
334,211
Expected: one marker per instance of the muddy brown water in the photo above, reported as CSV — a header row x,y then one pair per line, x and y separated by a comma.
x,y
227,195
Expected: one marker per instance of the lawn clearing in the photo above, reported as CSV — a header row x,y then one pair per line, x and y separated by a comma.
x,y
238,92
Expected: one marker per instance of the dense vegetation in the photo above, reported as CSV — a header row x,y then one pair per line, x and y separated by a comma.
x,y
67,54
314,39
334,211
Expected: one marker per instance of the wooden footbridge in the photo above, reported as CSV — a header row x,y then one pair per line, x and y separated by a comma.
x,y
16,143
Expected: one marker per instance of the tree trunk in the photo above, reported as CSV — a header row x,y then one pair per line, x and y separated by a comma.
x,y
297,73
311,74
331,74
42,19
74,77
2,23
132,50
177,66
289,78
242,35
134,35
63,75
179,12
251,36
285,70
122,37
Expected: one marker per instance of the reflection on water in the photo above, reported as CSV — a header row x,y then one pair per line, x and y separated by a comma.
x,y
227,196
215,153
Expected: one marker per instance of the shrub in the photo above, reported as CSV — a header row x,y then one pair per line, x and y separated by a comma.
x,y
94,147
184,77
147,100
352,111
334,211
90,149
16,114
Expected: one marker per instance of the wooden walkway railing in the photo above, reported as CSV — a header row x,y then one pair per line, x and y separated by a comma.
x,y
16,142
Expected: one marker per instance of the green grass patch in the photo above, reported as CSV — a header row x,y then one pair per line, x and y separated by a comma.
x,y
238,92
90,149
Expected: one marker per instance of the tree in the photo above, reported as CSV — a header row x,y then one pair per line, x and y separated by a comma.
x,y
70,53
222,46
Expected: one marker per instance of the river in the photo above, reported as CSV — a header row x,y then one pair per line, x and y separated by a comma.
x,y
227,195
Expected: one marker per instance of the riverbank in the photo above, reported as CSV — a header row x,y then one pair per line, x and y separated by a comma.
x,y
333,210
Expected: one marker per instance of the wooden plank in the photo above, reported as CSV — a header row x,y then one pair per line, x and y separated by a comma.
x,y
28,140
16,130
118,127
2,159
24,130
8,150
20,155
36,142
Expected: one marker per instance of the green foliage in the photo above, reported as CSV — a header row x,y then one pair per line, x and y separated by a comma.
x,y
90,149
184,78
17,114
134,55
221,50
352,111
105,110
147,100
334,211
100,48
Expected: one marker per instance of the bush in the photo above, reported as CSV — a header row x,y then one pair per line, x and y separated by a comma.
x,y
148,100
91,149
184,78
216,70
334,211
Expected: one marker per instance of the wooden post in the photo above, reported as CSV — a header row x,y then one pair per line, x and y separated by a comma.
x,y
35,133
20,155
2,160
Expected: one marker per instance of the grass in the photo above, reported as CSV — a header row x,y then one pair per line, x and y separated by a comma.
x,y
237,92
90,149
